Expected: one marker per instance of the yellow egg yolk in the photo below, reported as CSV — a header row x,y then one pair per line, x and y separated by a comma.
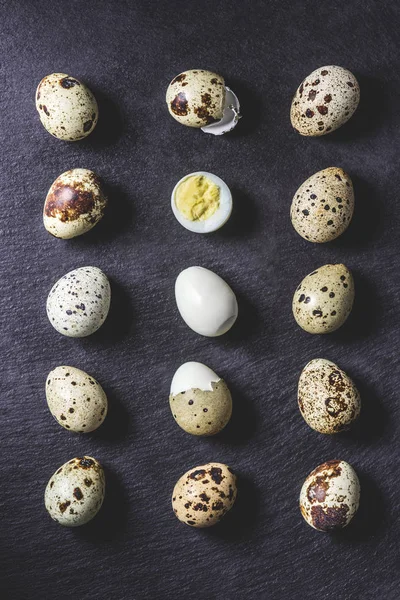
x,y
197,198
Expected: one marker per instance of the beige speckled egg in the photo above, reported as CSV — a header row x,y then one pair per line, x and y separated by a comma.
x,y
330,496
75,492
196,98
75,399
328,399
78,303
324,101
324,299
200,401
67,108
74,204
204,494
323,205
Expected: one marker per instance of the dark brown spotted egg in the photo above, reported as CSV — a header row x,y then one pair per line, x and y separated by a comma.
x,y
66,107
74,204
324,101
323,205
328,399
324,299
330,496
75,492
204,494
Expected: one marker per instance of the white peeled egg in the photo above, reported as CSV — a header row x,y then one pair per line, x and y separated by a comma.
x,y
193,375
205,301
218,218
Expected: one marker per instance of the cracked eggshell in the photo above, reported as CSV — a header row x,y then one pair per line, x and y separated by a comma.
x,y
78,303
204,494
328,399
200,401
330,496
205,301
324,101
75,399
324,299
74,204
75,492
323,205
67,108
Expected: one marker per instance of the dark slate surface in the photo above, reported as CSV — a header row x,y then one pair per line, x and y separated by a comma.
x,y
127,52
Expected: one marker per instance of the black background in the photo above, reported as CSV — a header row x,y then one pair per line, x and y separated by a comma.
x,y
127,52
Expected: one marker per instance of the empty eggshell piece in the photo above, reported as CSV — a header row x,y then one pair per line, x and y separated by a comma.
x,y
330,496
328,399
205,301
323,205
324,299
203,495
74,204
78,303
75,492
200,401
75,399
67,108
324,101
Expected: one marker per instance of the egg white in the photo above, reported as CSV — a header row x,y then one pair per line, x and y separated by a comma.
x,y
193,375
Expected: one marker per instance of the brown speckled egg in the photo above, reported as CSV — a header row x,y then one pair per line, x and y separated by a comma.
x,y
196,98
324,299
328,399
66,107
74,204
75,492
324,101
330,496
203,495
323,205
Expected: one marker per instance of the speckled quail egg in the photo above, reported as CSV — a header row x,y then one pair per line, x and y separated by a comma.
x,y
199,98
324,101
75,492
67,108
200,401
74,204
324,299
323,205
330,496
203,495
78,303
75,399
328,399
205,301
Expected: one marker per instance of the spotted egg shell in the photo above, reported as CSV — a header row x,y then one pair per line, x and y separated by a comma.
x,y
323,205
203,495
66,107
330,496
75,399
196,98
75,492
328,399
324,101
324,299
78,303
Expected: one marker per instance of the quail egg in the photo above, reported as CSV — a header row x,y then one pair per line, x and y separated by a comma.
x,y
78,303
75,492
330,496
323,205
75,399
74,204
328,399
324,101
199,98
204,494
205,301
67,108
324,299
